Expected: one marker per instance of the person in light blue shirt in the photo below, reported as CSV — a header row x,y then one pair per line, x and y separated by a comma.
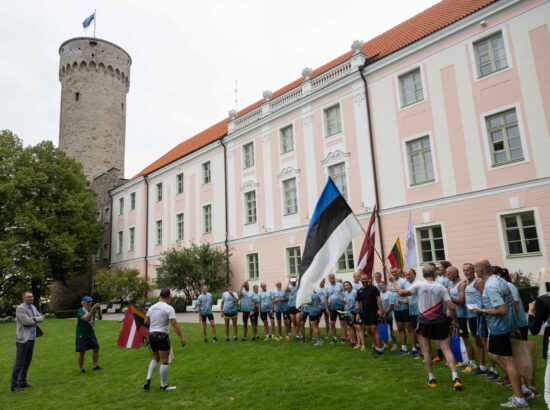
x,y
230,311
322,292
457,292
246,307
280,303
350,311
387,309
473,292
519,319
312,307
266,311
335,303
292,291
255,313
204,304
356,284
400,308
412,324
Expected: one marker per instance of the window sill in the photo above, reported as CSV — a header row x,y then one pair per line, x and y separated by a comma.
x,y
336,134
419,184
508,163
523,255
404,107
482,77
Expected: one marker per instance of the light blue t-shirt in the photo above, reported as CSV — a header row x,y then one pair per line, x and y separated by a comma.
x,y
335,295
205,301
385,298
322,292
413,300
292,292
349,300
356,286
495,294
473,297
279,293
265,301
256,297
454,292
314,305
520,320
403,284
246,300
443,281
229,304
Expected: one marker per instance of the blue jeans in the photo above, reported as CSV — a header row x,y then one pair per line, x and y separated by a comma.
x,y
23,358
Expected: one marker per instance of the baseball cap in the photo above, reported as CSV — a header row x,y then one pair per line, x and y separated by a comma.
x,y
293,279
86,299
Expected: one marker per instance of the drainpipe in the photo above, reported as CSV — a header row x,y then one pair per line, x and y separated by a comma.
x,y
226,212
373,158
146,227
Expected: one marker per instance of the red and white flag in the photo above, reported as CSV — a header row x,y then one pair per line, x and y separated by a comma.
x,y
133,329
366,256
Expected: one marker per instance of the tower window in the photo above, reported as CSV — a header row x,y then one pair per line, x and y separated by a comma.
x,y
122,106
76,96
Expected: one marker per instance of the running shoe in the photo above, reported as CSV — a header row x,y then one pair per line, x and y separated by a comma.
x,y
457,384
205,340
215,339
491,376
378,352
147,384
287,338
505,381
244,339
235,339
528,395
514,403
479,371
266,339
394,347
414,354
167,387
533,390
432,383
318,343
227,339
469,369
334,341
460,364
402,353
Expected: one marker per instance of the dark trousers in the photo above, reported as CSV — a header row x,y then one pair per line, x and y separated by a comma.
x,y
23,358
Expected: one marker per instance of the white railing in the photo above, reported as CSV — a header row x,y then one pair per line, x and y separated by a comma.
x,y
286,98
331,76
248,118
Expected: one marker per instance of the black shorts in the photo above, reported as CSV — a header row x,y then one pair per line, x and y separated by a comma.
x,y
86,343
523,332
463,326
292,310
313,318
433,331
263,315
333,314
246,315
369,318
285,314
230,315
350,319
254,317
322,312
500,345
303,317
414,321
210,317
159,342
401,315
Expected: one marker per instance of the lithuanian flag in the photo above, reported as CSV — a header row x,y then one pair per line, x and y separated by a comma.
x,y
133,329
396,256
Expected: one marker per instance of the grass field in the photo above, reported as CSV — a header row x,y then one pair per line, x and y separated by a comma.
x,y
259,375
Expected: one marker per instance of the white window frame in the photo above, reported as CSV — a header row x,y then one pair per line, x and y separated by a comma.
x,y
132,201
397,86
409,162
493,60
106,215
159,232
281,135
402,103
345,165
472,51
284,197
180,234
203,172
180,184
483,124
131,239
502,233
417,240
247,267
245,203
159,192
348,269
404,142
119,242
203,207
287,260
324,115
252,164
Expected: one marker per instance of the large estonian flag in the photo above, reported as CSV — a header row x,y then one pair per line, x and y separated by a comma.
x,y
331,229
133,329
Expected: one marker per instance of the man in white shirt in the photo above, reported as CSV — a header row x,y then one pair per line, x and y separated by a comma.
x,y
159,316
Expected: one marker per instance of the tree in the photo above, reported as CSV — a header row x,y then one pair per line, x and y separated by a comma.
x,y
48,227
187,269
120,284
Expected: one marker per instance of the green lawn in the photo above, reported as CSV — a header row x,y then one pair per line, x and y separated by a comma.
x,y
260,375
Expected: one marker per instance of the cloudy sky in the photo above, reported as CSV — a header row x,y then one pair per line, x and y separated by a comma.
x,y
186,56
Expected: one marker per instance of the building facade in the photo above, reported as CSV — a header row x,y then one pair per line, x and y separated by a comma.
x,y
445,117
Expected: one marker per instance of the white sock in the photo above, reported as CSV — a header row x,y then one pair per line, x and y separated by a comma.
x,y
482,368
431,376
473,363
152,367
520,399
524,389
454,375
163,374
414,349
404,348
492,369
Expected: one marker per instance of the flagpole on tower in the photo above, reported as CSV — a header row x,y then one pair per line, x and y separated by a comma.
x,y
95,20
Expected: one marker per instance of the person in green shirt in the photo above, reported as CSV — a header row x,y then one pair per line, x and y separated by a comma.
x,y
85,333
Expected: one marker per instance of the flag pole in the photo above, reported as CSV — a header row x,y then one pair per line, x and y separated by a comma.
x,y
375,209
95,19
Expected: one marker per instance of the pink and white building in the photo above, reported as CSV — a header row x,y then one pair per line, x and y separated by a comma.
x,y
456,132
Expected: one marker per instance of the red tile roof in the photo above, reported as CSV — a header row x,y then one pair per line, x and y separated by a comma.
x,y
422,25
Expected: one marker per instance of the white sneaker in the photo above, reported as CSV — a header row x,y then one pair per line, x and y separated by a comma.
x,y
514,403
167,387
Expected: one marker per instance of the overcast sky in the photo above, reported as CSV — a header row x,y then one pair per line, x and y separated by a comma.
x,y
186,57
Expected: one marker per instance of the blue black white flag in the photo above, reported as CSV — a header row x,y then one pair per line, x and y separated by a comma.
x,y
331,229
88,20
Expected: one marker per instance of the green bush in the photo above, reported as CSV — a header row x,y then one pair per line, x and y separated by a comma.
x,y
65,314
179,304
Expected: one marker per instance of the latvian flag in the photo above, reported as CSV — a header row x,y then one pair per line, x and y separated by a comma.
x,y
331,229
133,329
396,256
366,256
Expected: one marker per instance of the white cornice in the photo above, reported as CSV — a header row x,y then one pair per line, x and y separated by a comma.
x,y
127,185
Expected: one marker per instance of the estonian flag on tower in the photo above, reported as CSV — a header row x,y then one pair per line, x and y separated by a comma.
x,y
89,20
331,229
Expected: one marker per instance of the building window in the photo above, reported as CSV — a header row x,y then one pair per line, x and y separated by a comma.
x,y
159,192
250,207
179,226
338,174
490,55
120,206
419,156
131,239
431,243
289,196
105,250
520,233
206,176
248,155
293,259
504,138
410,88
179,183
119,242
252,266
159,232
132,201
98,216
287,139
333,121
207,219
346,260
106,215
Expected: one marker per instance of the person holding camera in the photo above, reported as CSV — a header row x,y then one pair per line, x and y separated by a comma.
x,y
85,333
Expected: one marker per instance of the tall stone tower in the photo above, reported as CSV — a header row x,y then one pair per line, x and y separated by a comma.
x,y
95,78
